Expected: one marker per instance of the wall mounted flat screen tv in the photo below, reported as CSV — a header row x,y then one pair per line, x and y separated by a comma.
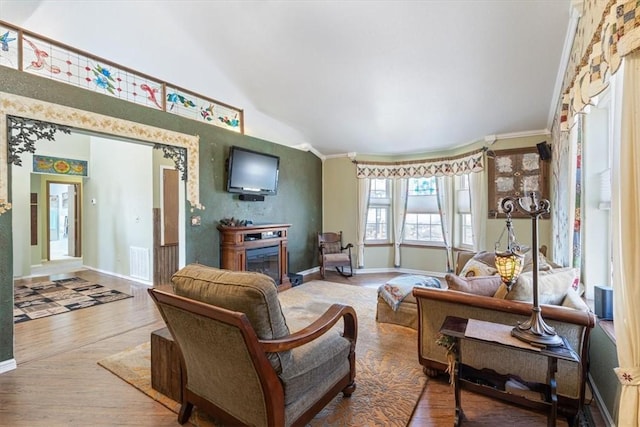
x,y
251,172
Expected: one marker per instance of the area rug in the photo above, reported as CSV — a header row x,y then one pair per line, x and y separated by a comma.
x,y
42,299
389,378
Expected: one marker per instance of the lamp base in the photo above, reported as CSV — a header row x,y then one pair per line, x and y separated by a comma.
x,y
536,332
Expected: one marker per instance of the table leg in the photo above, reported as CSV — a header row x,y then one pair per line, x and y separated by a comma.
x,y
552,368
456,384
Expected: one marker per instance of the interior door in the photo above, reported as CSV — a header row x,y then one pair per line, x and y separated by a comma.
x,y
73,223
170,207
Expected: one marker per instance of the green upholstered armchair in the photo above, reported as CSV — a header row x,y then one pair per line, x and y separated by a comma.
x,y
240,362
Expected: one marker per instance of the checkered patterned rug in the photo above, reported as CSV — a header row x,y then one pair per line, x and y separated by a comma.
x,y
42,299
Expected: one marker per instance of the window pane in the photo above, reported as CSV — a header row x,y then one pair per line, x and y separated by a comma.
x,y
423,227
466,229
382,215
377,224
422,186
379,189
436,233
370,232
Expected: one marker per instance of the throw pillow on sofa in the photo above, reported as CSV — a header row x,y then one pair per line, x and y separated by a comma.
x,y
543,263
553,286
478,285
482,264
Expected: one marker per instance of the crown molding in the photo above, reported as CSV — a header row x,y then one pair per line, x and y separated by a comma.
x,y
350,155
575,11
524,134
308,147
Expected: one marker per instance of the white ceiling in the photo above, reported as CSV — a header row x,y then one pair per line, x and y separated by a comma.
x,y
371,77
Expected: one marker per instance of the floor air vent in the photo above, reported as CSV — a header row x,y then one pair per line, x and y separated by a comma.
x,y
139,263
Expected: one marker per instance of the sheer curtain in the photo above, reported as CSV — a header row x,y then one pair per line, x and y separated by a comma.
x,y
364,186
625,213
443,188
479,209
577,200
399,209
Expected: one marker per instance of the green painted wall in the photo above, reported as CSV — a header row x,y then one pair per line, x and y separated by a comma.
x,y
603,358
298,202
341,210
6,288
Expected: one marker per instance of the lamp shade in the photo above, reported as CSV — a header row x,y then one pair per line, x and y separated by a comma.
x,y
509,265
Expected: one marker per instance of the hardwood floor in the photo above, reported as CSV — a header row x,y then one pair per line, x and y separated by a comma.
x,y
435,407
59,383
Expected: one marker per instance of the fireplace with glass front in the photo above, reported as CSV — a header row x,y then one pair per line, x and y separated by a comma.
x,y
260,248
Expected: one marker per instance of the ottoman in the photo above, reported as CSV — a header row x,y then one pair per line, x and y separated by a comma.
x,y
396,303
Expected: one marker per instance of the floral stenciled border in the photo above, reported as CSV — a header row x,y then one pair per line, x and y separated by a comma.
x,y
39,110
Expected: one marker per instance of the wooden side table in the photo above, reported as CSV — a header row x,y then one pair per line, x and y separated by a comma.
x,y
456,328
166,372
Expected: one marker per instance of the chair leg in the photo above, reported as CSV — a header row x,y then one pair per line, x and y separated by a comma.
x,y
349,389
185,412
322,271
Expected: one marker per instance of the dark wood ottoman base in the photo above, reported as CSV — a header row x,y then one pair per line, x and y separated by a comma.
x,y
166,372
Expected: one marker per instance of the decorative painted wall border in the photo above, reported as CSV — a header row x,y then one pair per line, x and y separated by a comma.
x,y
60,166
457,165
14,105
31,53
26,132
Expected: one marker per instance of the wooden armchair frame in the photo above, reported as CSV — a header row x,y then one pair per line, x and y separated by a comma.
x,y
332,253
272,389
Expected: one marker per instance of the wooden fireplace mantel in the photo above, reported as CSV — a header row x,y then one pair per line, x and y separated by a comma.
x,y
234,242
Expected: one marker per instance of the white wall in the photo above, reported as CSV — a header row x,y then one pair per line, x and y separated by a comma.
x,y
48,19
75,146
120,184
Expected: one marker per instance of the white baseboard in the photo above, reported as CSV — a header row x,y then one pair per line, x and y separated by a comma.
x,y
8,365
122,276
598,398
309,271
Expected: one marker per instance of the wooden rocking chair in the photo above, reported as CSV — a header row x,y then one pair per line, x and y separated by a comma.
x,y
333,254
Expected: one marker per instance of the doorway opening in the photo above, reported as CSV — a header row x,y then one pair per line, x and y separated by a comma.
x,y
63,219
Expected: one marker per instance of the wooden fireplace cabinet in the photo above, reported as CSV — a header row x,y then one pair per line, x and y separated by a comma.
x,y
234,242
